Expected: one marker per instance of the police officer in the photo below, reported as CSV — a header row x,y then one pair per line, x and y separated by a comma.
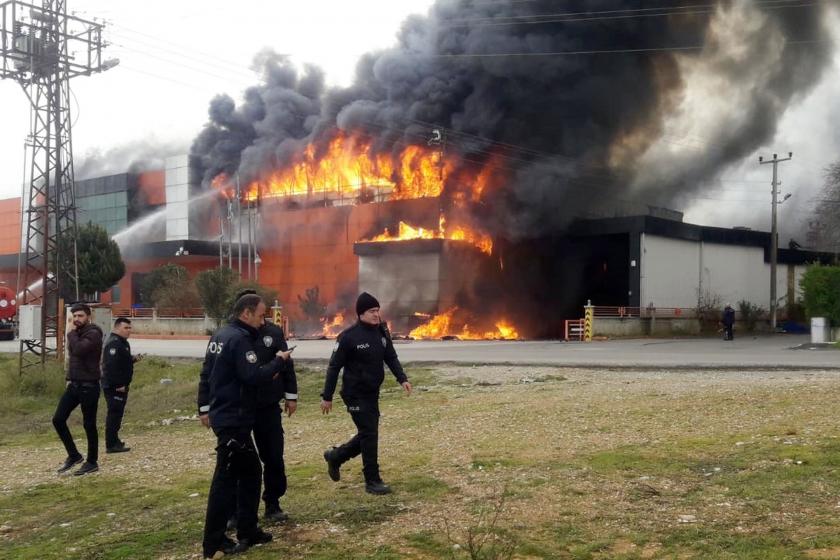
x,y
360,351
268,426
230,365
84,345
117,372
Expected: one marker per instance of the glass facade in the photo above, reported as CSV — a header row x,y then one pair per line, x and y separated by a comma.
x,y
107,210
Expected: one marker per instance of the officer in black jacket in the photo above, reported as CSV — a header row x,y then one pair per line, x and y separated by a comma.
x,y
268,426
117,373
361,351
231,365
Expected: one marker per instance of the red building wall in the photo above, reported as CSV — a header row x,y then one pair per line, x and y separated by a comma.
x,y
304,248
10,226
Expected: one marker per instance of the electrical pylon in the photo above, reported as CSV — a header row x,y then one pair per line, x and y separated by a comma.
x,y
41,48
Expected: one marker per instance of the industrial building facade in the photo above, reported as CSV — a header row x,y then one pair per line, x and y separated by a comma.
x,y
162,216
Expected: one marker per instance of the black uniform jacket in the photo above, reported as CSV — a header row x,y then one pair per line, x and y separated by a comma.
x,y
84,344
117,363
361,351
728,316
271,340
230,365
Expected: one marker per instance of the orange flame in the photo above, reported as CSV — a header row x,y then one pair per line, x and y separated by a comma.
x,y
350,169
333,328
456,233
445,325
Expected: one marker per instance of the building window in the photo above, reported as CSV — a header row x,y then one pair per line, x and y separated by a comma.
x,y
115,294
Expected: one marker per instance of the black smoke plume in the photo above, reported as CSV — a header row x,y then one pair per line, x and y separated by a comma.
x,y
569,130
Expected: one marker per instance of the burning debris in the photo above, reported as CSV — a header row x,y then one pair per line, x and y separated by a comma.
x,y
457,233
332,327
454,324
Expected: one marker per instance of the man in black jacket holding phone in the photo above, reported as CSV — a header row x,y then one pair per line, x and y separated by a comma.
x,y
268,425
230,367
117,373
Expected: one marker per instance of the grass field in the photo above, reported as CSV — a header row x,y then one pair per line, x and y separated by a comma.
x,y
486,462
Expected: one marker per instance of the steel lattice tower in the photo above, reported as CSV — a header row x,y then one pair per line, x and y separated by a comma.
x,y
41,47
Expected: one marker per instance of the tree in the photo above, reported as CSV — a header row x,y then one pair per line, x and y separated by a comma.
x,y
267,294
169,287
100,263
311,307
216,289
821,292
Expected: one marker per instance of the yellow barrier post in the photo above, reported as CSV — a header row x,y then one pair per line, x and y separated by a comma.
x,y
588,320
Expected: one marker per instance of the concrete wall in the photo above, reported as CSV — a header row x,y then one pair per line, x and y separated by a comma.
x,y
633,326
674,272
177,196
403,283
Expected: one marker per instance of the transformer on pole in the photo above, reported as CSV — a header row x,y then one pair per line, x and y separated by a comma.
x,y
41,48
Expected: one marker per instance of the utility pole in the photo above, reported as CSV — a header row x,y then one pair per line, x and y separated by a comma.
x,y
41,48
239,223
774,233
221,238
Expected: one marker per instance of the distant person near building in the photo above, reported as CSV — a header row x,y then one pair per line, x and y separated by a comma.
x,y
728,320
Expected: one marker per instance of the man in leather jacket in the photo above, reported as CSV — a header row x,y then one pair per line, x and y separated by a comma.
x,y
84,346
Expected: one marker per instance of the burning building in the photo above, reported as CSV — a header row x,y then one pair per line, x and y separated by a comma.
x,y
452,176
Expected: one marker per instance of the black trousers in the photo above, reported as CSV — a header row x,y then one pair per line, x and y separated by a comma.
x,y
116,401
86,395
237,468
727,332
268,435
365,414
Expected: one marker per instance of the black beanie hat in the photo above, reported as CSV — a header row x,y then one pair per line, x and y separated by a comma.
x,y
365,302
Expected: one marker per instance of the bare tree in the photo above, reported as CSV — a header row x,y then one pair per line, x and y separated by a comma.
x,y
824,226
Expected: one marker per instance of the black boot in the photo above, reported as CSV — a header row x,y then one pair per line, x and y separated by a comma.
x,y
333,464
69,463
86,468
228,547
275,514
257,537
377,487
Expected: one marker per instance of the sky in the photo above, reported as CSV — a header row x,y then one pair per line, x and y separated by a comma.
x,y
175,56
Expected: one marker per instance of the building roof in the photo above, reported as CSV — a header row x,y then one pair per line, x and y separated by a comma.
x,y
652,225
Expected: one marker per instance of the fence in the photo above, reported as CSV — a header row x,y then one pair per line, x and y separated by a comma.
x,y
574,329
614,312
163,313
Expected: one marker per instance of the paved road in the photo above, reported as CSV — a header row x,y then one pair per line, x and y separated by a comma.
x,y
767,351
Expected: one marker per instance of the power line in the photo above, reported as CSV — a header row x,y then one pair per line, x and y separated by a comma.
x,y
593,52
583,17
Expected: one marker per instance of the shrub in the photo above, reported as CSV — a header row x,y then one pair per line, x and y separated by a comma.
x,y
709,311
751,314
821,292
